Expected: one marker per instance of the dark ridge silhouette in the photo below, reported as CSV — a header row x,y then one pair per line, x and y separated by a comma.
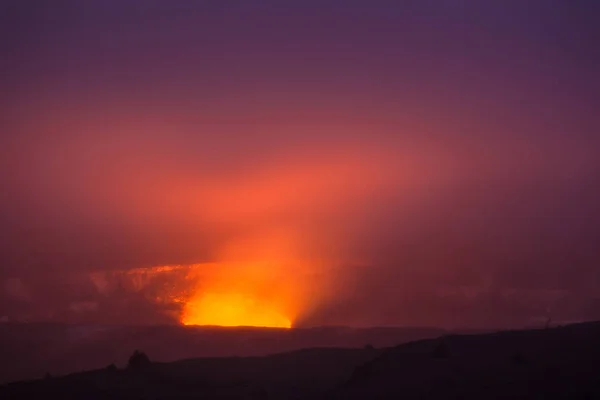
x,y
61,349
547,363
555,363
440,350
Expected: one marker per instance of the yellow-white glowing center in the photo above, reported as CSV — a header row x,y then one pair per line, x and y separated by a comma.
x,y
233,309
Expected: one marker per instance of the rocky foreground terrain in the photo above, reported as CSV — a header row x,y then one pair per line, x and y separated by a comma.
x,y
553,363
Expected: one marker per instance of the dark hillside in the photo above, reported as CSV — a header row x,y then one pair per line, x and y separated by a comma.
x,y
555,363
549,363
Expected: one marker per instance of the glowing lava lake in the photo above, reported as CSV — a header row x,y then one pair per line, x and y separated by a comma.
x,y
233,309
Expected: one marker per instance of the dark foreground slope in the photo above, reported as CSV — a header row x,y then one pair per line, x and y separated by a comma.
x,y
59,349
536,364
300,374
562,363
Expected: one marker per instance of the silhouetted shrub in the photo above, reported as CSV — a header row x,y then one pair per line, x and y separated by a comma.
x,y
440,350
369,347
112,367
138,360
47,376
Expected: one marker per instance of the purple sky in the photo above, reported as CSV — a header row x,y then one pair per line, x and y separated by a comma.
x,y
423,162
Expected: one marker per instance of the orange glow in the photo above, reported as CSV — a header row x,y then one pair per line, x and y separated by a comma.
x,y
252,285
233,309
276,245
